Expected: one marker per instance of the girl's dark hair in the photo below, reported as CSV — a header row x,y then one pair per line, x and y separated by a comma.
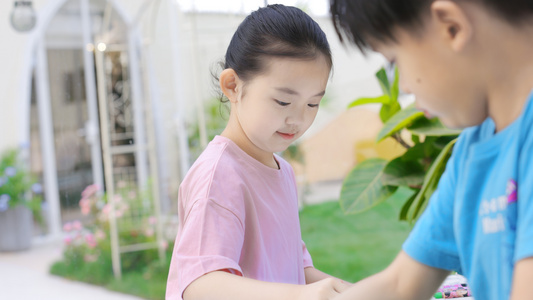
x,y
358,20
274,31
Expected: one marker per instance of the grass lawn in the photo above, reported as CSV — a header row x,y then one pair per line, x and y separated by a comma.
x,y
353,247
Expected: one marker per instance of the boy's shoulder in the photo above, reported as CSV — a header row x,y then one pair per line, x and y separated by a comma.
x,y
484,138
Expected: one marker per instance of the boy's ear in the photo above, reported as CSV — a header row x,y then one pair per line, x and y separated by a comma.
x,y
453,23
229,84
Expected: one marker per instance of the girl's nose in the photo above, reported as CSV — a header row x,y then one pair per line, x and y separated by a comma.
x,y
295,118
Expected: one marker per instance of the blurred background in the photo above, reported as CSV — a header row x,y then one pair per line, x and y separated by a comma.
x,y
150,63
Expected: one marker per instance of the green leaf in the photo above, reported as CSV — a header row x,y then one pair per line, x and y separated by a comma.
x,y
381,75
406,206
442,141
363,187
433,127
384,99
403,118
426,151
403,172
430,183
395,89
389,110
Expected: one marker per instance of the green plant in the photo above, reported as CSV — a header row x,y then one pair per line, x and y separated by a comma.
x,y
419,168
17,185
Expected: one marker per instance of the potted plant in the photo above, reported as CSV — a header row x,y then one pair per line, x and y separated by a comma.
x,y
20,202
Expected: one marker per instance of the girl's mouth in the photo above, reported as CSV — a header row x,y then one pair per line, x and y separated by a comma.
x,y
287,136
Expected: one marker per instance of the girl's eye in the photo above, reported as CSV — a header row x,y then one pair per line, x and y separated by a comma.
x,y
282,103
313,105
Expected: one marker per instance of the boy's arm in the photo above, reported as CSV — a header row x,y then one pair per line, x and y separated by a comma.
x,y
221,285
523,272
403,279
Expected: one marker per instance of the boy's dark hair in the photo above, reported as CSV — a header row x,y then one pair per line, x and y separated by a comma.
x,y
274,31
357,20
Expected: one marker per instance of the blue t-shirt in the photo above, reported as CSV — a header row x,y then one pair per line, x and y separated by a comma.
x,y
479,222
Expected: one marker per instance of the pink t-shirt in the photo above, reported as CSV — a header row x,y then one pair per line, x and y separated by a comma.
x,y
236,213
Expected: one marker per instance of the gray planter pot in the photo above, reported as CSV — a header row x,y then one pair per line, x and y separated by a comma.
x,y
16,229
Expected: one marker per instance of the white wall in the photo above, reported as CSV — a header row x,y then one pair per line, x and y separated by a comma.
x,y
11,61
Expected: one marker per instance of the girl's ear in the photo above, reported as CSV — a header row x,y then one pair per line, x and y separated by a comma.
x,y
229,84
454,24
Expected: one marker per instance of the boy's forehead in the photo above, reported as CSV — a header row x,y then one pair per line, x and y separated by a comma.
x,y
402,36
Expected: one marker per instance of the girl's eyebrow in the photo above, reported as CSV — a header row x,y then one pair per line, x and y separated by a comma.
x,y
290,91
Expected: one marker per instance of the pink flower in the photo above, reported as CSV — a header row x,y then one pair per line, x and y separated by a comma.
x,y
99,235
152,220
76,225
85,205
67,240
117,198
106,209
149,232
164,244
90,190
91,242
132,195
67,227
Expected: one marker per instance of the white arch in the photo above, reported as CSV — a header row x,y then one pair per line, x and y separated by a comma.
x,y
35,59
46,14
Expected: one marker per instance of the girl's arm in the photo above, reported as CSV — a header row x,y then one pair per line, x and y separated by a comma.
x,y
313,275
221,285
523,272
403,279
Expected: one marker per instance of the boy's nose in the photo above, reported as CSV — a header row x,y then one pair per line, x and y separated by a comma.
x,y
404,87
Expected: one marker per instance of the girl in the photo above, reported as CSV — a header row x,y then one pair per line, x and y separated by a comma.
x,y
239,234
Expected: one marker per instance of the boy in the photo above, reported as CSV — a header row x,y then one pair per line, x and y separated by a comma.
x,y
470,63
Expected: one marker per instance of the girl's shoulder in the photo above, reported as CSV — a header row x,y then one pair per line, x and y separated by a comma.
x,y
214,159
217,165
215,176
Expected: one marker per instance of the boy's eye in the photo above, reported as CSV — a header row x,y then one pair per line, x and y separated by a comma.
x,y
391,64
313,105
282,103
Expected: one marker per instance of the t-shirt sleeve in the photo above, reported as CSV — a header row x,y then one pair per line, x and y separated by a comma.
x,y
211,239
308,261
432,240
524,230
